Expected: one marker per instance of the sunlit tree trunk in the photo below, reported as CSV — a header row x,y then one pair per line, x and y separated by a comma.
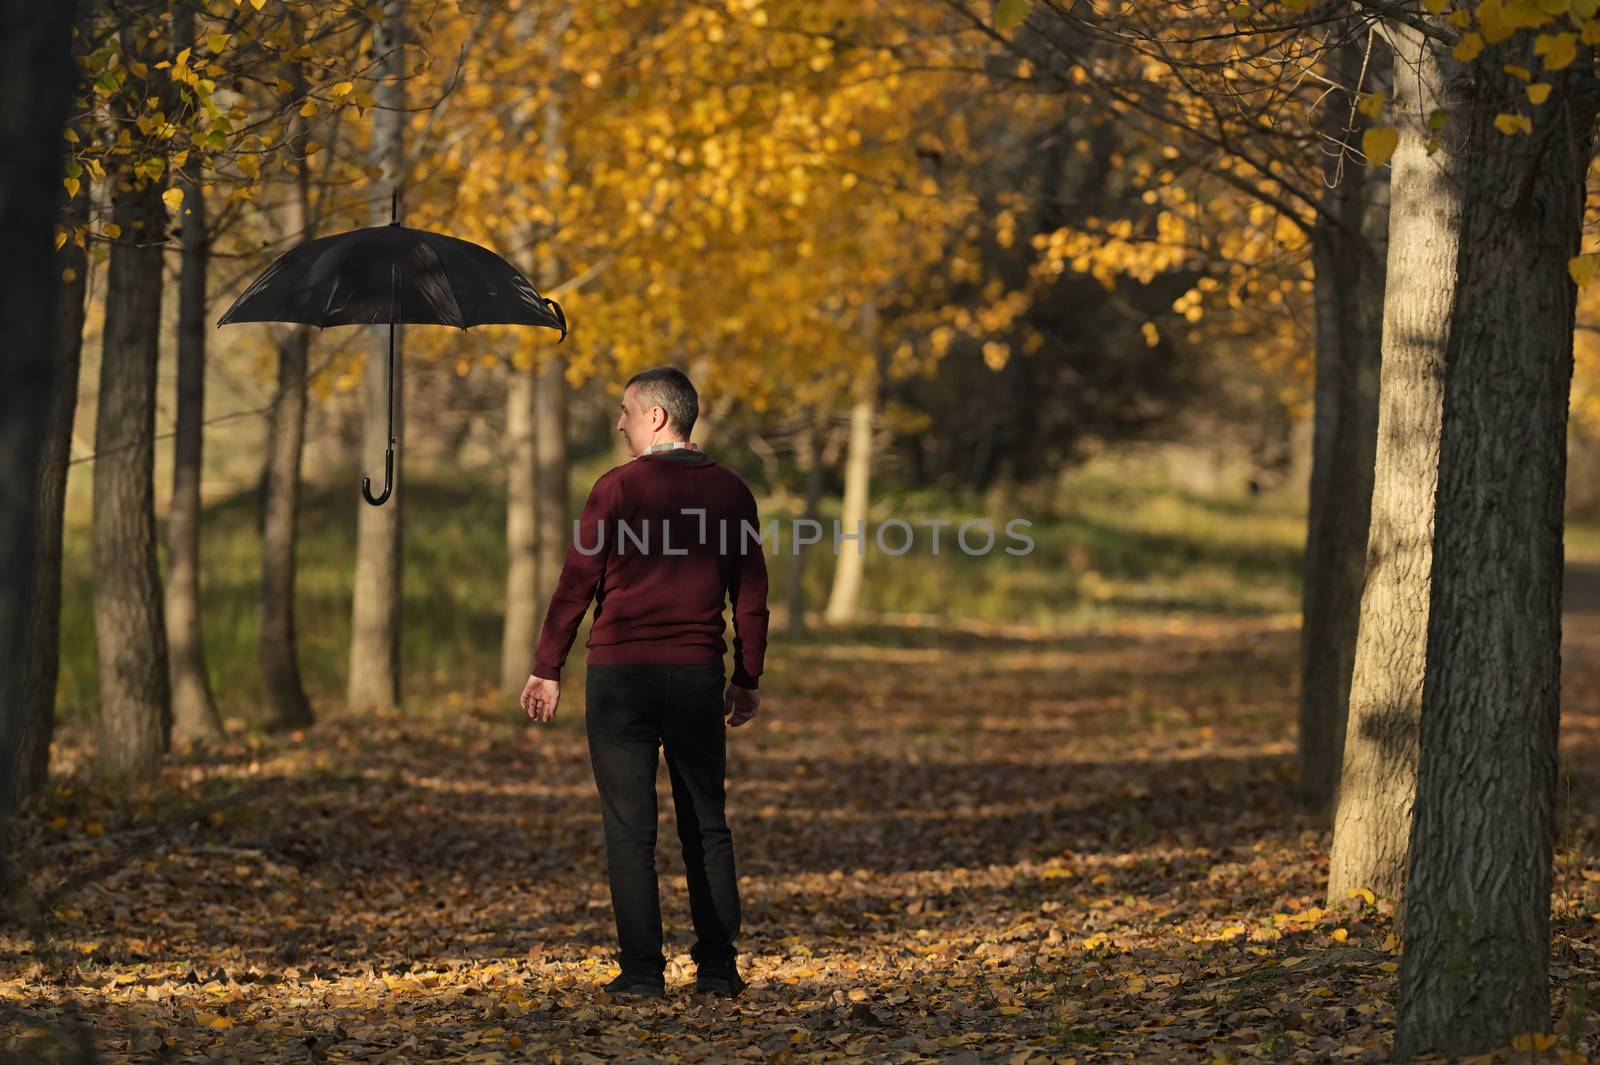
x,y
1476,934
1348,269
130,626
523,603
36,78
1372,822
552,394
283,693
194,710
376,625
844,598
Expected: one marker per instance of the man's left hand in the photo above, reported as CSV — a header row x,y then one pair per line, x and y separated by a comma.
x,y
540,696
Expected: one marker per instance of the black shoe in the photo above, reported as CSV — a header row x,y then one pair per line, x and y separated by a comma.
x,y
643,987
723,984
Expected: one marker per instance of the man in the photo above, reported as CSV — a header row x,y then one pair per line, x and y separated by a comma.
x,y
660,541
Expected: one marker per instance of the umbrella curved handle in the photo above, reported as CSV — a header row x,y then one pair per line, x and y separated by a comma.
x,y
388,478
555,308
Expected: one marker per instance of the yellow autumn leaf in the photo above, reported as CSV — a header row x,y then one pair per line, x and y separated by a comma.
x,y
71,184
213,1020
1589,32
343,88
1492,20
1339,935
250,166
1558,49
1379,143
308,108
1371,104
1435,7
1389,966
1539,92
1533,1041
173,198
1508,123
1468,47
1582,268
1520,73
113,230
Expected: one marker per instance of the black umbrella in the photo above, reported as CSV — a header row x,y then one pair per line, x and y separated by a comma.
x,y
393,274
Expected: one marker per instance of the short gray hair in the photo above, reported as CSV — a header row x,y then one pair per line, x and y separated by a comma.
x,y
669,388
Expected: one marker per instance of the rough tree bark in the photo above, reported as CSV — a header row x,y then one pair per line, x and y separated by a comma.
x,y
41,669
1372,822
283,691
36,78
130,626
376,622
194,710
1475,970
1348,268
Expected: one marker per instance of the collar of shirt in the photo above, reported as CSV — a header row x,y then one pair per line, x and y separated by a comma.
x,y
670,445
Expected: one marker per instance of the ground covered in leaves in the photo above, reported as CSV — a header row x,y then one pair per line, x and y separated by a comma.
x,y
954,846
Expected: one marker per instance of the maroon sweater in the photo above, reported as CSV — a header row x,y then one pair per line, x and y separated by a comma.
x,y
658,589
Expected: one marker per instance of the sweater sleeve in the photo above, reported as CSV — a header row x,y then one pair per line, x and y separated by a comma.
x,y
580,577
748,594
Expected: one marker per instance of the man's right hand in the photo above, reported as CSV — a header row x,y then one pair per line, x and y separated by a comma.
x,y
739,704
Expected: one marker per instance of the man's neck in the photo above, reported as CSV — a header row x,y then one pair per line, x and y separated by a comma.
x,y
669,445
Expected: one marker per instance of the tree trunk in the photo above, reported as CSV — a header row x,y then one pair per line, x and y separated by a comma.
x,y
523,601
194,710
552,458
1372,823
844,598
130,626
36,78
41,669
283,691
376,626
1349,294
797,570
550,480
1477,908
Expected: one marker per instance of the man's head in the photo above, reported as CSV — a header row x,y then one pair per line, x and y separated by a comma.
x,y
658,404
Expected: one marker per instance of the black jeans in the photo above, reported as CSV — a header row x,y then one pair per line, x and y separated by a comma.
x,y
631,710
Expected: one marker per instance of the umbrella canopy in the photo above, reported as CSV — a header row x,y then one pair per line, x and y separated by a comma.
x,y
393,274
397,275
